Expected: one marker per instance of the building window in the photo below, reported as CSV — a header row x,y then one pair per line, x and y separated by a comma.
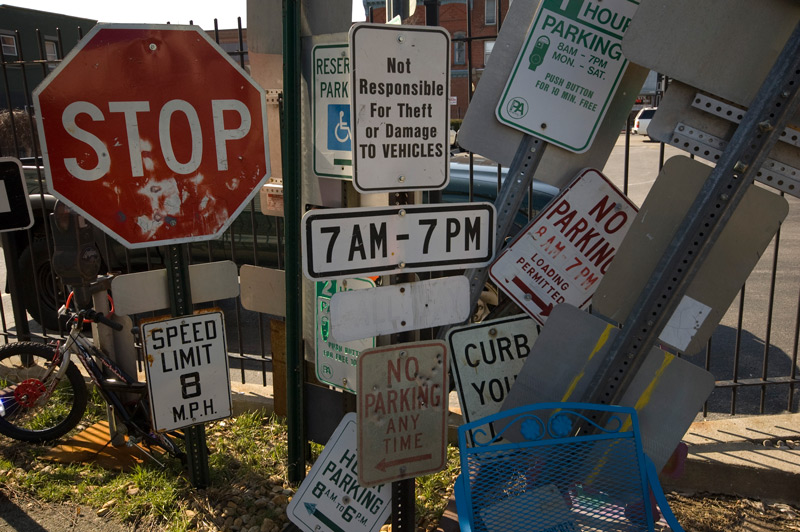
x,y
491,12
51,53
487,51
9,44
459,49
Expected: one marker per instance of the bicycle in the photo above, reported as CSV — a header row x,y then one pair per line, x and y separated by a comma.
x,y
43,395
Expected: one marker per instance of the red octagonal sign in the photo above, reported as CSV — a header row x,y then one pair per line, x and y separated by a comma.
x,y
153,133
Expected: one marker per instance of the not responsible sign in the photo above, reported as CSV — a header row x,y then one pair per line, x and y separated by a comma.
x,y
330,497
400,86
402,409
564,252
567,71
187,370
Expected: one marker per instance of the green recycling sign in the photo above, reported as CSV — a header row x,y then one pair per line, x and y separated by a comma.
x,y
336,362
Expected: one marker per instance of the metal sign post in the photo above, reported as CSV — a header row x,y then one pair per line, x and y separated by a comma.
x,y
776,102
180,302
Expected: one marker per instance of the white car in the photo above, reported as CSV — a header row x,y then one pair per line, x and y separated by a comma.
x,y
642,120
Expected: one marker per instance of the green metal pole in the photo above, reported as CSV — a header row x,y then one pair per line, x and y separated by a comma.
x,y
291,197
180,301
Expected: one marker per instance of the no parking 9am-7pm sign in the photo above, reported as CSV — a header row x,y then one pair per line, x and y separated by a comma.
x,y
153,133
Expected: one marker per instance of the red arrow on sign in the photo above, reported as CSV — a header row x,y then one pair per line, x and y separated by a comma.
x,y
383,464
546,309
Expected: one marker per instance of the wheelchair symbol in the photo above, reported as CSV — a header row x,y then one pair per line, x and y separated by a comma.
x,y
338,127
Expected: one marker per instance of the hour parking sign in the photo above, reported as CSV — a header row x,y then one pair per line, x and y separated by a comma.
x,y
332,128
567,71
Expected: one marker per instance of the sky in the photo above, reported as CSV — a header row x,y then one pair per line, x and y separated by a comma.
x,y
201,13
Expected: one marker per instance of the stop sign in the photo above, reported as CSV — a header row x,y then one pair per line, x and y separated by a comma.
x,y
153,133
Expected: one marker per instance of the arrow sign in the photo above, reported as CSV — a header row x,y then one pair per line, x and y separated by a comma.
x,y
548,308
383,464
312,510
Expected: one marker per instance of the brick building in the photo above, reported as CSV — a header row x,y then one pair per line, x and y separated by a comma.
x,y
473,27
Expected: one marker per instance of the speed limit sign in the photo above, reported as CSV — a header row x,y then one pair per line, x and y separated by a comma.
x,y
187,370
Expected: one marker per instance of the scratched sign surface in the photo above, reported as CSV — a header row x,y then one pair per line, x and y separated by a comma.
x,y
567,248
153,133
402,409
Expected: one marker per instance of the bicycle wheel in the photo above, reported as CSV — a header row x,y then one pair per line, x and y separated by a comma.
x,y
24,380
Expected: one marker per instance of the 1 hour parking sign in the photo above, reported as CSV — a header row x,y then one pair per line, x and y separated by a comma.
x,y
567,71
332,131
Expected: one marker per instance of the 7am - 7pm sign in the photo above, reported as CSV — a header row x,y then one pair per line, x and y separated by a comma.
x,y
343,243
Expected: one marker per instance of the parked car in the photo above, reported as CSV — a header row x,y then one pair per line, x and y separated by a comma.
x,y
642,120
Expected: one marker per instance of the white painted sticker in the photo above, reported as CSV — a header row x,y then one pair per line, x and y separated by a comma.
x,y
567,71
567,248
330,497
684,323
400,307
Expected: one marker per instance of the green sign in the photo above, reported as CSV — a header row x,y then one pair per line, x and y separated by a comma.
x,y
337,361
567,71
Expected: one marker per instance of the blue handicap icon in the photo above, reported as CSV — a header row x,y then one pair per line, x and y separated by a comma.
x,y
339,127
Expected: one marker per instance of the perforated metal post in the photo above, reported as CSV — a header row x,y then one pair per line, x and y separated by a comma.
x,y
775,103
180,300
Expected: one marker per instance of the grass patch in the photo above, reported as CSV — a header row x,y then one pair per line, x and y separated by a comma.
x,y
248,471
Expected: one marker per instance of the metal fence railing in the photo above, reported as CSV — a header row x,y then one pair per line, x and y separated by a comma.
x,y
753,353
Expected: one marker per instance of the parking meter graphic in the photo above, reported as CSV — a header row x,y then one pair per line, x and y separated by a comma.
x,y
76,258
339,127
537,55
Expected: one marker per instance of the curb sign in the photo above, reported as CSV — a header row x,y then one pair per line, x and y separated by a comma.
x,y
337,361
15,205
567,71
344,243
565,251
485,360
187,370
400,83
402,409
332,137
330,497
